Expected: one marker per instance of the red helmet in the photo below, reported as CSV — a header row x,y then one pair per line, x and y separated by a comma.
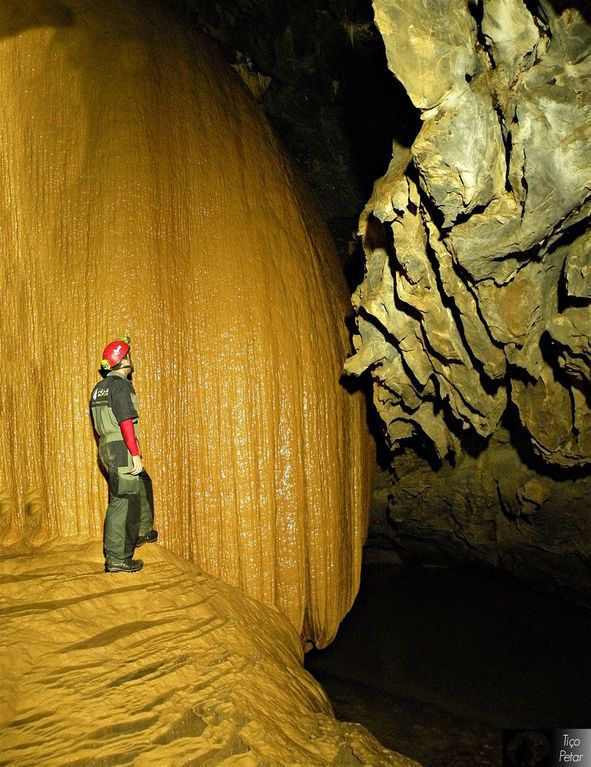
x,y
113,353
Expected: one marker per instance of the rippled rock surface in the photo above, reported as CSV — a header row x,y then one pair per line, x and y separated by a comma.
x,y
165,667
143,190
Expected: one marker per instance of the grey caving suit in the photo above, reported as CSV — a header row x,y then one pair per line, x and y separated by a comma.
x,y
130,512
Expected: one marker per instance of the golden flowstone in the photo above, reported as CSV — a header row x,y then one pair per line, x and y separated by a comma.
x,y
165,668
143,190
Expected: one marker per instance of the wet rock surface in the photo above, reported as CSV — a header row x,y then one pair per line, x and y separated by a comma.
x,y
167,666
144,191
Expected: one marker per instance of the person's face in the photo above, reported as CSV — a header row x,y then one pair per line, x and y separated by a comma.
x,y
127,365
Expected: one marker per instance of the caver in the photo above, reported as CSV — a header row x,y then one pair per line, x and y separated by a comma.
x,y
130,514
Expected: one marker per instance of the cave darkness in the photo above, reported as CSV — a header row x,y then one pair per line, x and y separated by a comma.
x,y
435,661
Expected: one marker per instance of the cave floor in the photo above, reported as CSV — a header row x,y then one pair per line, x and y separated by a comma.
x,y
436,662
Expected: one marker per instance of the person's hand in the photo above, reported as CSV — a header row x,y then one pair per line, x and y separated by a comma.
x,y
138,466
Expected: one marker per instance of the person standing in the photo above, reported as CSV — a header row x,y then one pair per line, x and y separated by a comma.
x,y
130,514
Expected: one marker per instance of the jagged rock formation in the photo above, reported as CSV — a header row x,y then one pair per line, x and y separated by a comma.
x,y
165,667
142,189
474,311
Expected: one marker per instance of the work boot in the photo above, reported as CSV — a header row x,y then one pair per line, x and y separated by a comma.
x,y
129,565
150,537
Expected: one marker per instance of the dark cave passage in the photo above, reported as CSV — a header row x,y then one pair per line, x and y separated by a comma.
x,y
436,662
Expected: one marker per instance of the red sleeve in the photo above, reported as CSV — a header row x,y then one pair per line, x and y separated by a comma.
x,y
128,433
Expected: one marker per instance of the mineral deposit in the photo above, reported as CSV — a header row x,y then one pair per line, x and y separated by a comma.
x,y
142,190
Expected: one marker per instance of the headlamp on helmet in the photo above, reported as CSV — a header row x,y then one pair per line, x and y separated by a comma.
x,y
114,352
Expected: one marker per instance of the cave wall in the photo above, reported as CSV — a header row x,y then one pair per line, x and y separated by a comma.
x,y
473,317
318,70
142,190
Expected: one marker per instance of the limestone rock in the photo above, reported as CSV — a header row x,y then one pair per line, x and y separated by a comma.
x,y
492,508
480,216
578,267
143,190
167,666
473,316
422,38
511,34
